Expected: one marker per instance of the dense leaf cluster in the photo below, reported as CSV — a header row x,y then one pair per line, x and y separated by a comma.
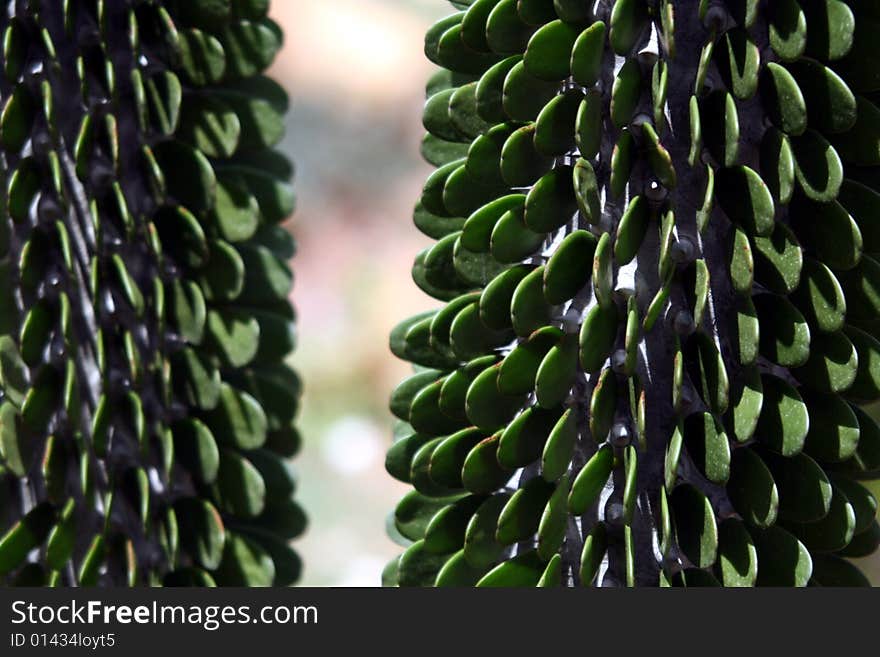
x,y
146,412
656,226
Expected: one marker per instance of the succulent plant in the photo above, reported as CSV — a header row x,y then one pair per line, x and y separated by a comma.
x,y
655,244
146,412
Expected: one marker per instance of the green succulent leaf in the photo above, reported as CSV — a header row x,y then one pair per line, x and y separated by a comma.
x,y
721,283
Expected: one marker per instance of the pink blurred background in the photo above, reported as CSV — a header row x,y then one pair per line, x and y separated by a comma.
x,y
355,73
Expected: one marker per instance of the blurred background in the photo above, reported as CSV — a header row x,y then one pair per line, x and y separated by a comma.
x,y
355,73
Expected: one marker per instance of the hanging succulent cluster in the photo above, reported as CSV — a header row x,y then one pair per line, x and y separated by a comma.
x,y
655,237
146,410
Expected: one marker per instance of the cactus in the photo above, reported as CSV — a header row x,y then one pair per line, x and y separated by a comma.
x,y
146,412
654,241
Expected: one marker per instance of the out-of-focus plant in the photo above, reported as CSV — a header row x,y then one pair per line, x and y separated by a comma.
x,y
146,411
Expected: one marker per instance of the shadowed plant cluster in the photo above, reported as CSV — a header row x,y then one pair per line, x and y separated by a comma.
x,y
146,414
